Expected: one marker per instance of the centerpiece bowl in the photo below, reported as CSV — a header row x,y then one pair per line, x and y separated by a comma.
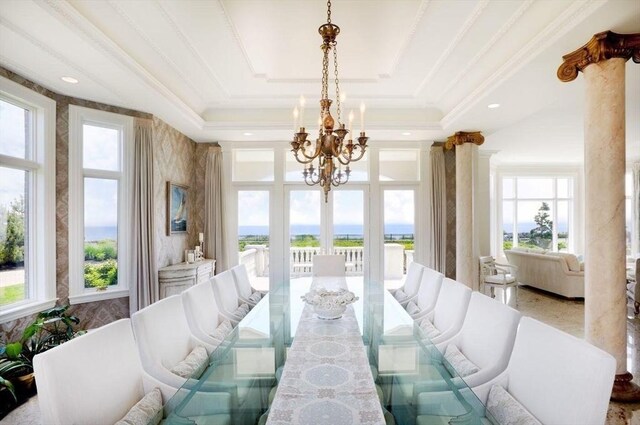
x,y
329,305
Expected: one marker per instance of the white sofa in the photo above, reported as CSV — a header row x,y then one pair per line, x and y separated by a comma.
x,y
559,273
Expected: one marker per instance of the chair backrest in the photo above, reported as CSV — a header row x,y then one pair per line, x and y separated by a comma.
x,y
162,334
638,270
329,265
243,283
487,266
412,281
93,379
488,333
225,292
452,303
430,285
201,310
559,378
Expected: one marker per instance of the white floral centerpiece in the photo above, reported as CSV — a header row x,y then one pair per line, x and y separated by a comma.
x,y
329,304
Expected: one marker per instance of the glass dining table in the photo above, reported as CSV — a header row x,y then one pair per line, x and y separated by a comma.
x,y
414,384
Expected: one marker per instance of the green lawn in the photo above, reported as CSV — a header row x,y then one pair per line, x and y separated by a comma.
x,y
12,293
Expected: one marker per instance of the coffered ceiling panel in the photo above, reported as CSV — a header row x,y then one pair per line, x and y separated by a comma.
x,y
217,69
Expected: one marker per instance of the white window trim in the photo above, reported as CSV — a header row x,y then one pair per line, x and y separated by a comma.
x,y
77,117
42,294
528,171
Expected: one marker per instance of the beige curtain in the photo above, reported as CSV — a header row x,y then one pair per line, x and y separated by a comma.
x,y
144,289
214,216
438,242
635,205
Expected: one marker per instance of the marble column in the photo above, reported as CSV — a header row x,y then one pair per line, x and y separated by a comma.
x,y
466,145
602,62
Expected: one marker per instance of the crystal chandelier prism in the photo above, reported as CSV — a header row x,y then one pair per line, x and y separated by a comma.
x,y
334,147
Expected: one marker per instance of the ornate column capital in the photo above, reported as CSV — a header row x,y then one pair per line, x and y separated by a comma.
x,y
602,46
461,137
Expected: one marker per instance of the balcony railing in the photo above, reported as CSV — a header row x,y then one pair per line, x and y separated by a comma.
x,y
396,260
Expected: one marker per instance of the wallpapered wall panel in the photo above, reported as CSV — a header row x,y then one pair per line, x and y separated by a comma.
x,y
174,157
450,177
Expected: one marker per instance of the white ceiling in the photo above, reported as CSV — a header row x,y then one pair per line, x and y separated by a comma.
x,y
218,69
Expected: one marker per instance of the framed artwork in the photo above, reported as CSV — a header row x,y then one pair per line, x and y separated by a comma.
x,y
177,208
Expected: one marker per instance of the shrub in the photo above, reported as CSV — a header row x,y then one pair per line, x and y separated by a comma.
x,y
99,251
100,275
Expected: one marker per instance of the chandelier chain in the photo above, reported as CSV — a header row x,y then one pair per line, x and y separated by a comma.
x,y
328,11
335,64
325,76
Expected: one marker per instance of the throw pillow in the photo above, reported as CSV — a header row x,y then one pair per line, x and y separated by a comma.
x,y
242,310
222,331
572,261
412,308
146,411
458,362
428,328
400,295
506,410
255,297
193,365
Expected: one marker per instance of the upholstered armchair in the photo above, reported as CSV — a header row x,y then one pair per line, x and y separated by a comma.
x,y
494,275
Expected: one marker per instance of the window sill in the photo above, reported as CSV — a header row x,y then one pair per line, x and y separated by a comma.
x,y
24,310
94,295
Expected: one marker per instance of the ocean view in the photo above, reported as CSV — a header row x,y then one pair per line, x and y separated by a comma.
x,y
98,233
339,229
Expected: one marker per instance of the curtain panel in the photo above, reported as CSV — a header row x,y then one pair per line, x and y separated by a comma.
x,y
144,288
438,241
215,219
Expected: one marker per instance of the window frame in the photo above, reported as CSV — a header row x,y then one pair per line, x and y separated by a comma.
x,y
41,217
574,199
78,116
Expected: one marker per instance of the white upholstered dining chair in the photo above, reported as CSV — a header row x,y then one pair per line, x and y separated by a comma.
x,y
409,291
246,292
427,297
226,295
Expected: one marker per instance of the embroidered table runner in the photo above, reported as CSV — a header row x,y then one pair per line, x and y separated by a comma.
x,y
326,379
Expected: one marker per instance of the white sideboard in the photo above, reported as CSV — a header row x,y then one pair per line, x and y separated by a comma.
x,y
178,277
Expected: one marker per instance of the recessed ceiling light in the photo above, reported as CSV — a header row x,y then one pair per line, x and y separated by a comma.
x,y
69,80
406,133
493,105
248,134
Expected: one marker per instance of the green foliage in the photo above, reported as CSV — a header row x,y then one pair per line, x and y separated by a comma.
x,y
347,243
562,245
252,240
100,275
507,245
11,294
301,241
100,251
12,243
543,233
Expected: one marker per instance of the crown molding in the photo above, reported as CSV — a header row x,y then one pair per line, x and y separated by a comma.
x,y
466,26
569,19
75,21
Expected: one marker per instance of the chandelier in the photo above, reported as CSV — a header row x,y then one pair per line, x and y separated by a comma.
x,y
333,143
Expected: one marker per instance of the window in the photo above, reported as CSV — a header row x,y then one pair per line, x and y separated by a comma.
x,y
399,165
27,201
251,165
100,149
536,212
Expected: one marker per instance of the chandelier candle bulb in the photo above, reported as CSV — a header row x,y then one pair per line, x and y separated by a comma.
x,y
351,116
362,109
295,119
303,102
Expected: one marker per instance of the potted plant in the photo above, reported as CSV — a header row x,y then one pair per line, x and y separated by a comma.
x,y
51,328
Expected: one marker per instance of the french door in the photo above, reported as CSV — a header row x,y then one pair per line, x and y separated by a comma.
x,y
339,226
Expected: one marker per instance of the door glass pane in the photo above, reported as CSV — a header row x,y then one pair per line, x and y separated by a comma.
x,y
507,224
253,232
253,165
563,226
535,188
15,139
563,188
14,235
535,225
100,148
304,230
507,188
100,233
399,231
348,229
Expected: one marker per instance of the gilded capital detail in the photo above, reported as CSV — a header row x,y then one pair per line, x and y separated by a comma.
x,y
461,137
602,46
